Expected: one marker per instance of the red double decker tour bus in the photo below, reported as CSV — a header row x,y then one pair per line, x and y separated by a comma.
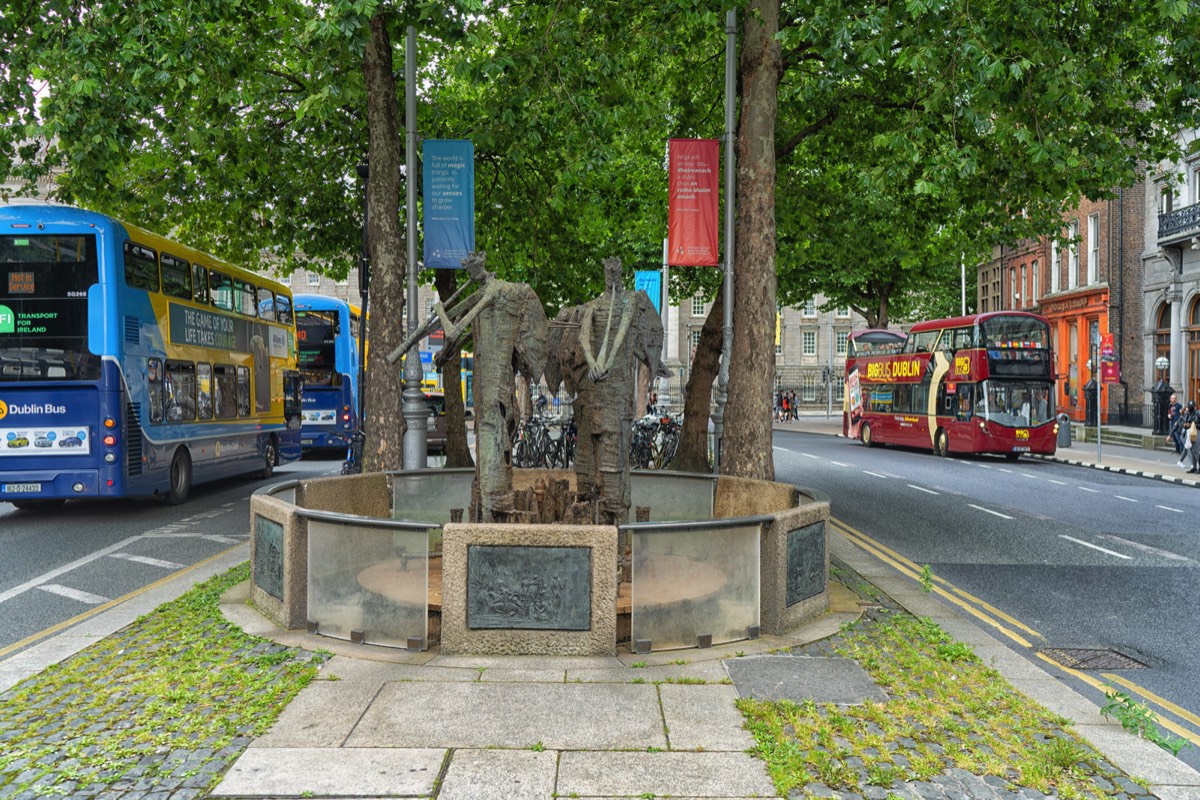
x,y
975,384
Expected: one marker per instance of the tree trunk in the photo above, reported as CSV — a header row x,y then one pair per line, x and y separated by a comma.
x,y
458,454
384,423
746,451
692,455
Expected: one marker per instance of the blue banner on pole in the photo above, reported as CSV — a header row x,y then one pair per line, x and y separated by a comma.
x,y
448,186
650,280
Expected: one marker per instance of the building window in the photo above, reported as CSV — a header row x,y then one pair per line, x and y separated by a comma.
x,y
1055,266
697,306
1073,256
1166,199
286,280
1012,288
1035,291
314,279
694,341
1194,184
810,307
841,343
843,312
810,343
779,348
1093,267
1024,287
808,389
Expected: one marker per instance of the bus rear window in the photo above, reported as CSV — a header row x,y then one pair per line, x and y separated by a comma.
x,y
44,282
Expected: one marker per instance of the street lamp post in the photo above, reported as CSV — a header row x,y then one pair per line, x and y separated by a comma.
x,y
1161,397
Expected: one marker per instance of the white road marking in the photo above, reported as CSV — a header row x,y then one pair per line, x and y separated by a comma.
x,y
147,560
54,573
922,489
1147,548
780,449
1123,497
838,464
876,474
1060,483
1168,508
1095,547
989,511
985,466
1028,475
809,455
1088,489
73,594
216,537
1002,469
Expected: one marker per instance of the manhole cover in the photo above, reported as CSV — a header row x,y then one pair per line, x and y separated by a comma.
x,y
1091,658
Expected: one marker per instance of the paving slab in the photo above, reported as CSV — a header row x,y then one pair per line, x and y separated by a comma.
x,y
522,675
320,772
525,662
703,718
343,668
696,775
1138,757
493,774
573,716
800,678
708,671
322,715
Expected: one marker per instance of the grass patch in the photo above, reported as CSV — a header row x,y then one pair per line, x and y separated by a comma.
x,y
172,697
947,709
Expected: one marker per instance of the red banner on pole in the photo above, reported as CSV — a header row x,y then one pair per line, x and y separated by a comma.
x,y
692,218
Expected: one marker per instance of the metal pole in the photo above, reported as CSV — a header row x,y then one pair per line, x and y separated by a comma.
x,y
664,396
416,414
730,189
829,373
962,270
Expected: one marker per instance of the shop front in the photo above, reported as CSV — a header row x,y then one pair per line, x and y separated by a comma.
x,y
1077,321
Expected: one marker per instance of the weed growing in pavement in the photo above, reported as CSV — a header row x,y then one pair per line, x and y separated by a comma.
x,y
945,709
926,579
1137,718
180,678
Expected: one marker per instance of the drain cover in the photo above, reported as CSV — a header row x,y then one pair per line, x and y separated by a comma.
x,y
1091,658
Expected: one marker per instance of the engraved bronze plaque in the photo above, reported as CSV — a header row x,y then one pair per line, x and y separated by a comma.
x,y
519,587
805,562
268,556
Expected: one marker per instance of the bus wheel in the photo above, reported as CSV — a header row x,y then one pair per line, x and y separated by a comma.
x,y
865,434
270,458
181,478
941,443
38,505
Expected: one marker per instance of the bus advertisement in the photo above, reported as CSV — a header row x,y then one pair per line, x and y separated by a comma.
x,y
327,346
131,365
975,384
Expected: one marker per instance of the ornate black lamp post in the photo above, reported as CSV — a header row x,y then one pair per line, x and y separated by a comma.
x,y
1161,394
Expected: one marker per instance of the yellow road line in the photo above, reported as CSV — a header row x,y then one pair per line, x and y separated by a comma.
x,y
864,541
91,612
1016,623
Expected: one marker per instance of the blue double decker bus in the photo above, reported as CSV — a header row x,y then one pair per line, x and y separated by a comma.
x,y
327,343
132,365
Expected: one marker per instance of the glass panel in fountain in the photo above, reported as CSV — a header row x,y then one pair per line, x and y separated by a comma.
x,y
672,496
369,580
429,496
690,583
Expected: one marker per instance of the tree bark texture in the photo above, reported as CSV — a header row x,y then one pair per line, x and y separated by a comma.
x,y
384,423
746,451
458,454
692,455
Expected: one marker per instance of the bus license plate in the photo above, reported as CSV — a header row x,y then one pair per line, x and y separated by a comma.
x,y
1020,449
306,441
21,488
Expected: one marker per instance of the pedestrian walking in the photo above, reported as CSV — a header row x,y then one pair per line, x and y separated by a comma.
x,y
1174,410
785,408
1189,421
792,405
779,406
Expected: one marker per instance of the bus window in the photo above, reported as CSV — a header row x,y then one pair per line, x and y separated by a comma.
x,y
283,309
243,391
141,267
220,288
964,338
224,392
176,277
266,304
180,391
200,283
244,300
204,406
154,377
